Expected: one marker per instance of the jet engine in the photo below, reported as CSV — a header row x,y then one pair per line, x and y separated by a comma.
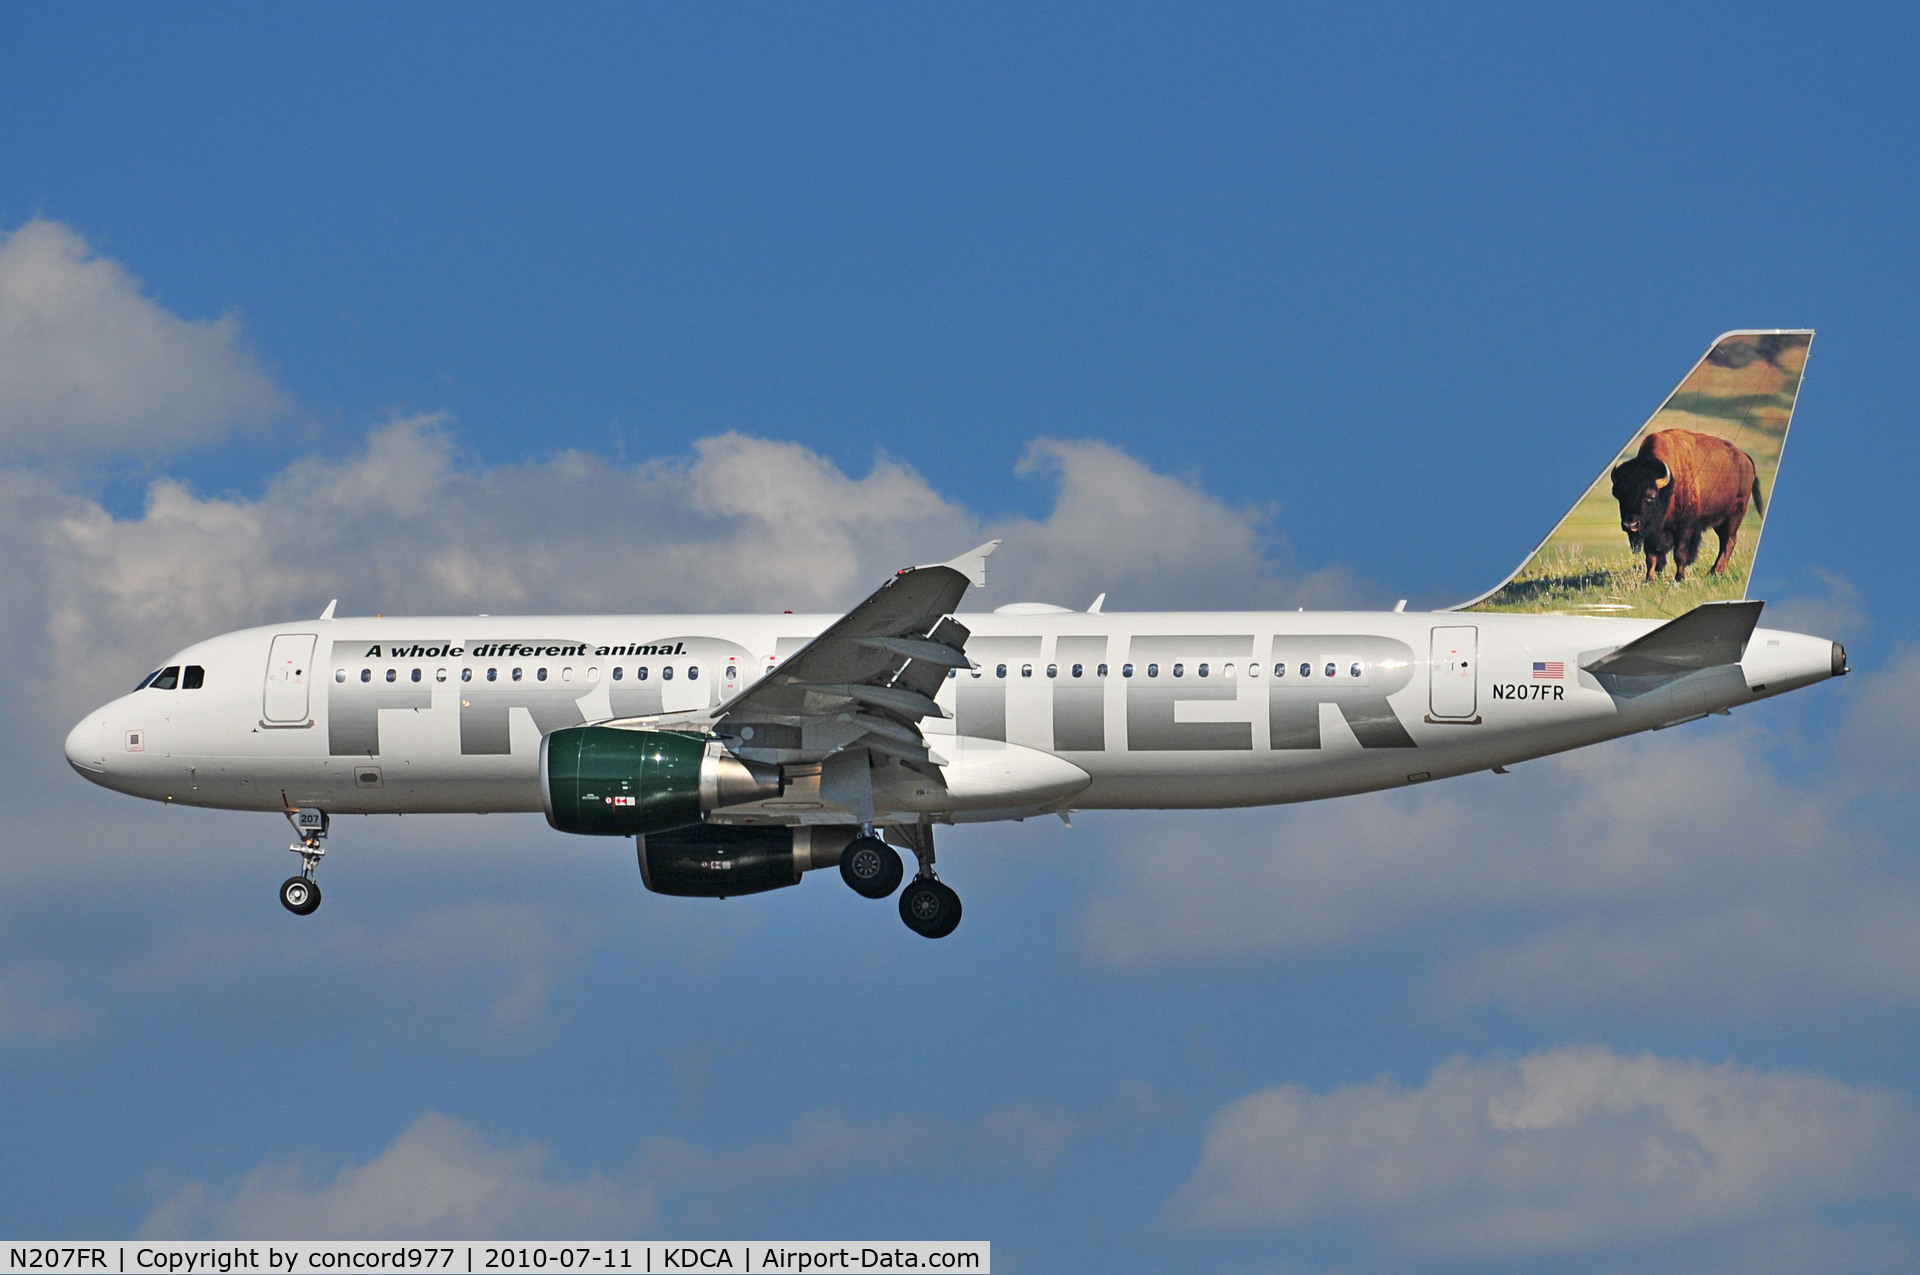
x,y
608,782
715,861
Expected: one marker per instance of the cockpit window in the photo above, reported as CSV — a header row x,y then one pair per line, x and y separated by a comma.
x,y
193,678
167,679
147,680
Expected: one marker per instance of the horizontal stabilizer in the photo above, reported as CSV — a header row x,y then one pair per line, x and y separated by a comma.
x,y
1710,635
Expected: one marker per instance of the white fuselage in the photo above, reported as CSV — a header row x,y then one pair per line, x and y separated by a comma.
x,y
446,714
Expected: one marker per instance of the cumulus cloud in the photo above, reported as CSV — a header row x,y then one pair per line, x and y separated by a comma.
x,y
444,1176
1684,873
741,524
89,364
441,1177
1567,1149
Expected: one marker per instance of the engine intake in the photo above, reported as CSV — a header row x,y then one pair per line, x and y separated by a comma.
x,y
602,781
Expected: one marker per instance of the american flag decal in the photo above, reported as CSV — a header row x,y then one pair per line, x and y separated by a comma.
x,y
1549,668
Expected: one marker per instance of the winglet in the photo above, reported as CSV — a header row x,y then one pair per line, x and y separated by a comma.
x,y
328,613
973,563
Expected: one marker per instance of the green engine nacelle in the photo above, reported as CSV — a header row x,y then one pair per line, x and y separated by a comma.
x,y
623,783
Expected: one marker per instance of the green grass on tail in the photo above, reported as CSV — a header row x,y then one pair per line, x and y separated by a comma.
x,y
1581,580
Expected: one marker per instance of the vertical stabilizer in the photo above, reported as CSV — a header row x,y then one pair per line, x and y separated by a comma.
x,y
1675,519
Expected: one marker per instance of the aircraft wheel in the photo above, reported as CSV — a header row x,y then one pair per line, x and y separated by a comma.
x,y
299,895
871,867
930,908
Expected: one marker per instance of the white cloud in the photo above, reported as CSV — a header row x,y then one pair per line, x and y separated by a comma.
x,y
89,364
744,523
441,1177
1564,1150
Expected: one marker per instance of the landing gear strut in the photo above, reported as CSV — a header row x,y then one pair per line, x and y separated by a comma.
x,y
928,905
301,895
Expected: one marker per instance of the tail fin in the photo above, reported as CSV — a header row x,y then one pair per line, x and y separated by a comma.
x,y
1731,411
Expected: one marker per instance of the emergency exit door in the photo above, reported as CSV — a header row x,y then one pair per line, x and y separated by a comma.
x,y
1453,672
289,669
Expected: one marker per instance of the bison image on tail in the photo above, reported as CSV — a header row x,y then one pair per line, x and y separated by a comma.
x,y
1680,484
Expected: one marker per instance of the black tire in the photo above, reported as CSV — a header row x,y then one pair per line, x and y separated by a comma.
x,y
299,895
930,908
871,867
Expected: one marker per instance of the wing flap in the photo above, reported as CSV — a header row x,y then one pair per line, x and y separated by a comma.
x,y
870,677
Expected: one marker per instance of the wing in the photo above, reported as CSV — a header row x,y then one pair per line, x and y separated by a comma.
x,y
868,680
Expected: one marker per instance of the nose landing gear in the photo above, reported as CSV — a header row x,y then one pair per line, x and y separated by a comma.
x,y
300,895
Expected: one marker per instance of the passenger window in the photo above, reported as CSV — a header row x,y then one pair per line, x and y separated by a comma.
x,y
393,675
516,675
416,675
1306,670
1179,670
999,670
1126,670
593,675
339,675
1026,670
1329,670
1279,670
640,674
666,672
1053,670
1354,671
466,675
192,678
1100,671
440,675
366,675
540,675
1202,670
1153,670
954,672
493,675
169,678
693,672
616,672
1077,670
1226,670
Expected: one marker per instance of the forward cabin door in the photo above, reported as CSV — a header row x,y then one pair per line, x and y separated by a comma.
x,y
1454,672
289,668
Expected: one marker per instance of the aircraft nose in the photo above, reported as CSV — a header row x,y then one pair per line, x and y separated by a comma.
x,y
87,746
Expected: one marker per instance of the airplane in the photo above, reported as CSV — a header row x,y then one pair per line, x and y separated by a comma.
x,y
742,751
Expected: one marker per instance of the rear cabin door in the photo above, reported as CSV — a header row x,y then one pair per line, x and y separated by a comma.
x,y
1454,672
289,669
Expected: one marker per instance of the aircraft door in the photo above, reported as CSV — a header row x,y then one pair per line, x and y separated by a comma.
x,y
289,669
1454,672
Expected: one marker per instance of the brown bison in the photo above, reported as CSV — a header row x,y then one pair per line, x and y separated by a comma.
x,y
1680,484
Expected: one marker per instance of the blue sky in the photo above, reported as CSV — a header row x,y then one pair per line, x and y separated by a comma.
x,y
483,310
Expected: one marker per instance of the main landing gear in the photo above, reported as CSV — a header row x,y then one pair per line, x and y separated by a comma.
x,y
301,895
928,905
872,868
